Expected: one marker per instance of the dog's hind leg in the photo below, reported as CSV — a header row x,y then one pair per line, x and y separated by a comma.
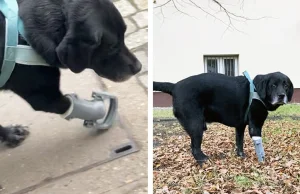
x,y
196,141
239,138
12,136
193,122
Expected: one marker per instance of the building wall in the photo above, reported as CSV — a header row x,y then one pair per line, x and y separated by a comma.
x,y
265,45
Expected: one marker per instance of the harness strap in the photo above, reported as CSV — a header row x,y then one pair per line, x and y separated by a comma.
x,y
256,97
25,55
14,53
10,11
252,95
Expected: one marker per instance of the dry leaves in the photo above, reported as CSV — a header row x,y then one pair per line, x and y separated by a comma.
x,y
175,170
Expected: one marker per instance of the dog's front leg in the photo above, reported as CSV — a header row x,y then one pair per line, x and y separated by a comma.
x,y
239,138
69,106
52,101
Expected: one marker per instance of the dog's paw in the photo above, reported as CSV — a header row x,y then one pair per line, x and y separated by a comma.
x,y
15,135
199,156
241,154
202,161
203,158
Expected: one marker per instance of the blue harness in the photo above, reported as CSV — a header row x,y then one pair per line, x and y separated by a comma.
x,y
253,94
13,52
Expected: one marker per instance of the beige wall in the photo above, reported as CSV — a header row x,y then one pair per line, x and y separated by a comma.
x,y
265,45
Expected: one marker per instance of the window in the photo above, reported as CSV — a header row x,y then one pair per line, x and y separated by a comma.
x,y
212,66
227,64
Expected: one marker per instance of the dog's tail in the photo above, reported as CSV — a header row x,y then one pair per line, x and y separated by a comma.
x,y
165,87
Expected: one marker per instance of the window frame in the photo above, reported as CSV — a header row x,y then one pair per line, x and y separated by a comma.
x,y
221,64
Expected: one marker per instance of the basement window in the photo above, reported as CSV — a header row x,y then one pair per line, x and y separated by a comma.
x,y
224,64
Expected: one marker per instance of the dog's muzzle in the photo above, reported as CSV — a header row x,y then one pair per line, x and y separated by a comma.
x,y
280,99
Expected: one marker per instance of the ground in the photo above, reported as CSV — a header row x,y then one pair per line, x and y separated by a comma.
x,y
63,157
175,170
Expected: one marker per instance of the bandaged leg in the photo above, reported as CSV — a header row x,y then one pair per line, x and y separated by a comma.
x,y
90,110
259,149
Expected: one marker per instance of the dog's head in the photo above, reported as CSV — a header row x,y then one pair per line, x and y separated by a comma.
x,y
275,89
95,40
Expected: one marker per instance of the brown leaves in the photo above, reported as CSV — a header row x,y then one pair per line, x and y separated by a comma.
x,y
175,170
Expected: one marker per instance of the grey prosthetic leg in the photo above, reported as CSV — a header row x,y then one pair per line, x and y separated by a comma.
x,y
93,112
259,149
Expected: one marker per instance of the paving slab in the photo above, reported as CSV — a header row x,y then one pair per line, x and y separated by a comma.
x,y
125,7
125,175
56,147
137,39
141,19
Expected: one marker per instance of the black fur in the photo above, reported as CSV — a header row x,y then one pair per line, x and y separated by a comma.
x,y
74,34
211,97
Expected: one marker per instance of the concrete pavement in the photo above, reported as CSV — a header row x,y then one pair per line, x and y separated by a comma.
x,y
64,157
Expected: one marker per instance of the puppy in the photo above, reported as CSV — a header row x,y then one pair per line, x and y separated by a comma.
x,y
212,97
73,34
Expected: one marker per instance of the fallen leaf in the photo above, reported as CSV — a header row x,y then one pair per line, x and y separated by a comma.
x,y
176,171
223,171
289,164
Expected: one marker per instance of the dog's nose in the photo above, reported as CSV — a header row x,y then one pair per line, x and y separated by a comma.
x,y
136,67
281,96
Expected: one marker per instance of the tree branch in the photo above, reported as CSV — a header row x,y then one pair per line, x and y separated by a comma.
x,y
230,15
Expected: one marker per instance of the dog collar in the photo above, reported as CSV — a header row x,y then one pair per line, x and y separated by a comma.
x,y
14,53
253,94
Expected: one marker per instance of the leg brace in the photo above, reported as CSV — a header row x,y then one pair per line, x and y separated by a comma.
x,y
90,110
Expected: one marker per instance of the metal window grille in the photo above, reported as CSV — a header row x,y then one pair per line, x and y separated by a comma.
x,y
227,65
212,66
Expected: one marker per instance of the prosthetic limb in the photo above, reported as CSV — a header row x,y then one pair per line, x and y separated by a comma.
x,y
259,149
93,112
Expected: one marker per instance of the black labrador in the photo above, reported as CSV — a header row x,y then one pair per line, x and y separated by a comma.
x,y
74,34
212,97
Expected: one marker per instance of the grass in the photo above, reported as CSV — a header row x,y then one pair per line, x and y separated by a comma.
x,y
246,182
287,110
163,113
243,181
284,111
187,191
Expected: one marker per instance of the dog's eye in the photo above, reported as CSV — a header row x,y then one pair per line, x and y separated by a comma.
x,y
113,49
286,86
274,86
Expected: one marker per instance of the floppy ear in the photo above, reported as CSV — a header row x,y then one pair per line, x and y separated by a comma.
x,y
76,49
290,91
261,85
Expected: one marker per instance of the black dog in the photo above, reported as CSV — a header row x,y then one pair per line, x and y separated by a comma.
x,y
212,97
74,34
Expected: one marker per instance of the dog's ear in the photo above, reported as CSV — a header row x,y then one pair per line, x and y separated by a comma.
x,y
290,91
76,49
261,85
